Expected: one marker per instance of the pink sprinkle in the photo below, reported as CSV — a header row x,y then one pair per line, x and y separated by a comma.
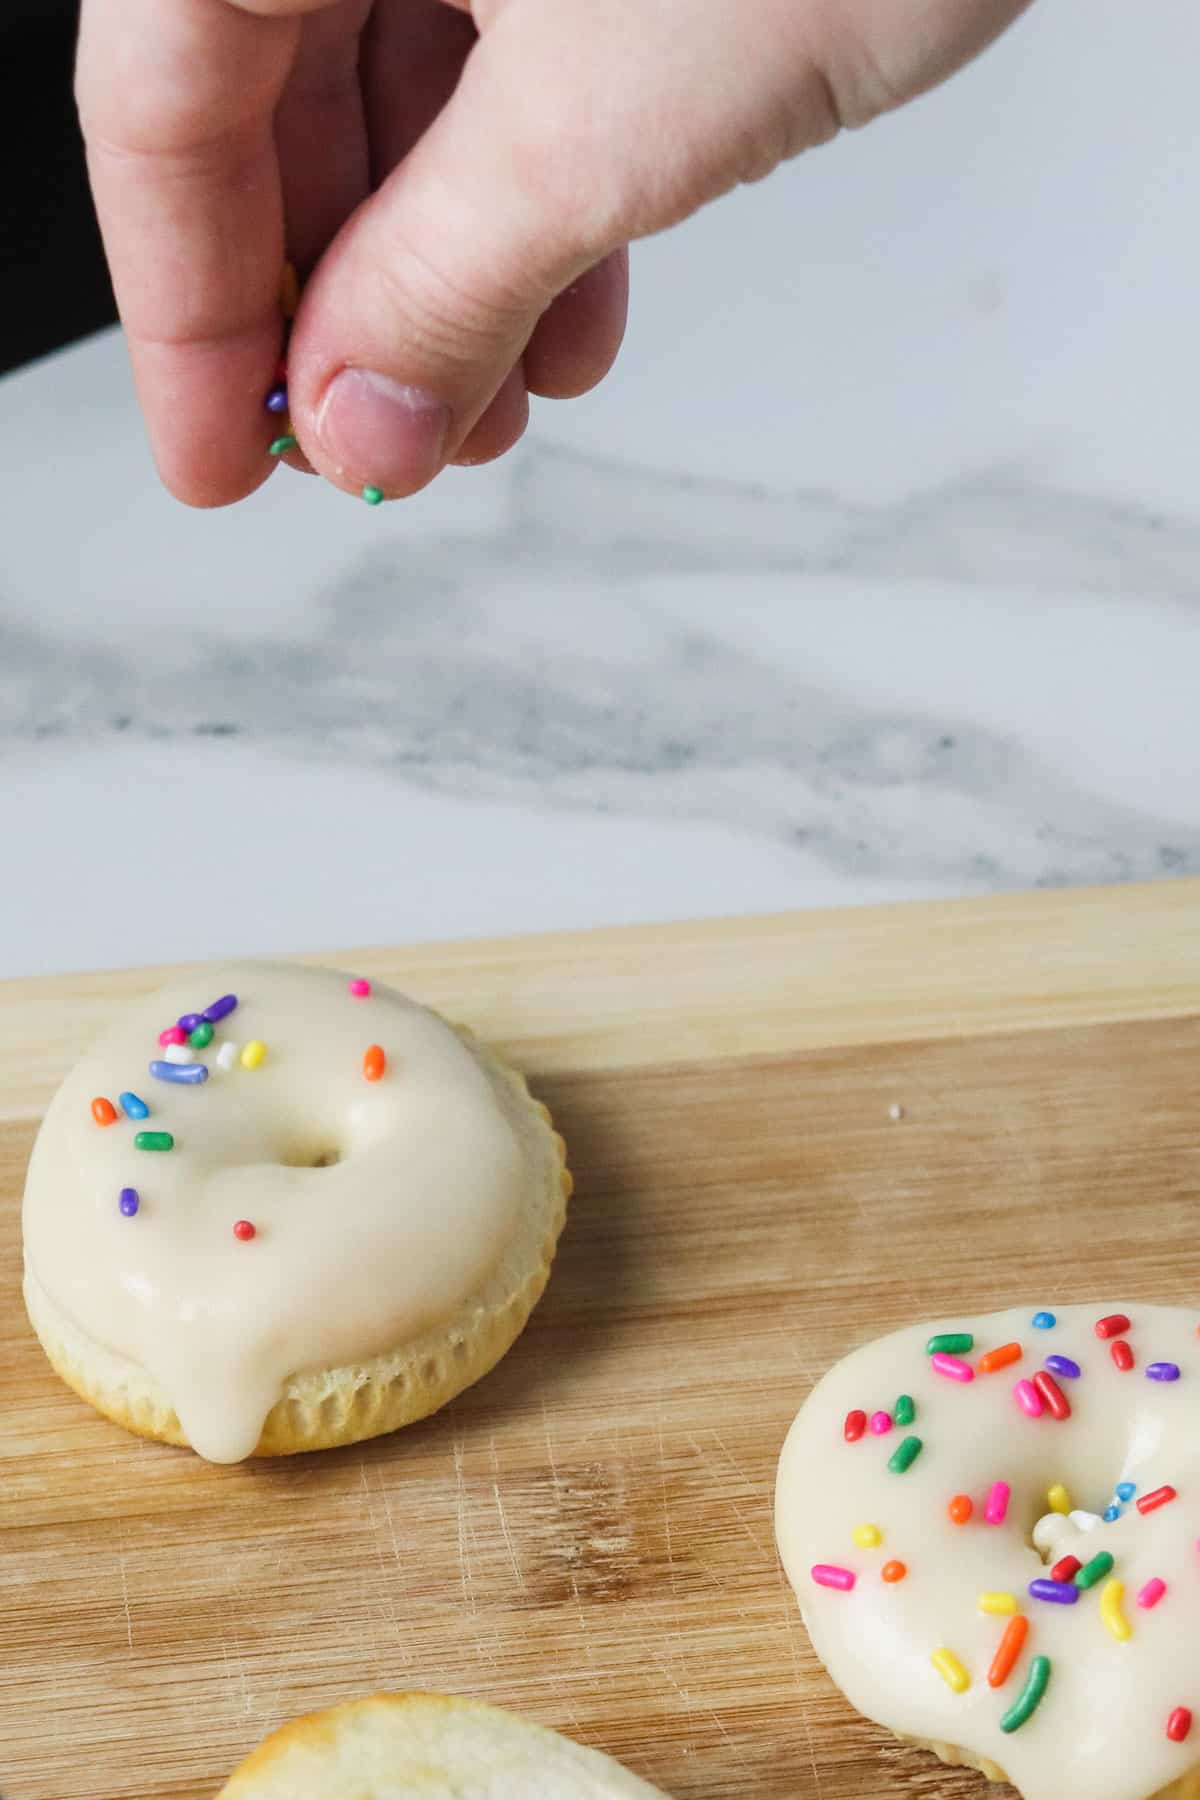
x,y
953,1366
881,1422
997,1503
1152,1593
829,1575
1028,1399
174,1034
360,989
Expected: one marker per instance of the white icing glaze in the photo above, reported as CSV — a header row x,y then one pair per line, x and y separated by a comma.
x,y
349,1260
1100,1731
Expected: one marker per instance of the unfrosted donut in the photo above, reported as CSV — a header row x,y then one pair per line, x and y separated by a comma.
x,y
277,1209
991,1525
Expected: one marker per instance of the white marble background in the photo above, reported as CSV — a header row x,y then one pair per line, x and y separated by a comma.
x,y
874,572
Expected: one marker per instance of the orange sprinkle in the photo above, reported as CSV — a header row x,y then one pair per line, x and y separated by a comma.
x,y
1000,1358
104,1112
961,1508
893,1571
374,1063
1008,1650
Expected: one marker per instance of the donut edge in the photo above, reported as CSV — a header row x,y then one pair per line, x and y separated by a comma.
x,y
347,1404
418,1730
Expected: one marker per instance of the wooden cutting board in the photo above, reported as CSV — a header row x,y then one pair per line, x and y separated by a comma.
x,y
586,1536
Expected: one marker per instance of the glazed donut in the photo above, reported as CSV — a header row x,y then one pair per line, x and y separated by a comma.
x,y
397,1746
306,1213
991,1526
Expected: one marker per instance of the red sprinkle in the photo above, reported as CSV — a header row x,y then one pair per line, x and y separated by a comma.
x,y
174,1034
893,1571
1121,1354
1112,1326
244,1231
104,1112
374,1063
856,1424
1151,1502
961,1508
1066,1568
1000,1358
1179,1724
1052,1394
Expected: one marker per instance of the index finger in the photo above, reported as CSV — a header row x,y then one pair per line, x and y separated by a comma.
x,y
176,99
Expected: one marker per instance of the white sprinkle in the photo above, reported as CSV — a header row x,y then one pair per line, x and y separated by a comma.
x,y
227,1056
179,1053
895,1111
1085,1521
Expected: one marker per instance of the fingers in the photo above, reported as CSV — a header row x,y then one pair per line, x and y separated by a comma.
x,y
502,425
321,132
176,103
576,340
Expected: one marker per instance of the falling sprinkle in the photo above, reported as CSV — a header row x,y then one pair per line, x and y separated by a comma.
x,y
129,1202
253,1055
374,1063
201,1037
243,1230
227,1055
1179,1724
360,988
867,1537
221,1009
179,1053
372,494
181,1074
895,1111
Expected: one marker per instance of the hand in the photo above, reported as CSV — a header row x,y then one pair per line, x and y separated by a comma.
x,y
458,192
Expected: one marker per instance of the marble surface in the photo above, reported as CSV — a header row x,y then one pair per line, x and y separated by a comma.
x,y
874,572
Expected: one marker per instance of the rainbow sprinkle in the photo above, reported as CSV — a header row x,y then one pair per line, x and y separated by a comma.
x,y
1030,1697
996,1510
1150,1595
950,1343
951,1671
1044,1321
826,1574
905,1455
1112,1612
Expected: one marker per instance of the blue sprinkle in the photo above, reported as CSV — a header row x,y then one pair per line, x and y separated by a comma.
x,y
1111,1513
1126,1490
189,1074
129,1202
1064,1366
1044,1321
220,1009
1163,1371
133,1108
189,1021
1062,1593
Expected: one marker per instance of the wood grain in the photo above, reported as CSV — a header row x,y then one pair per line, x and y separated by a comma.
x,y
586,1536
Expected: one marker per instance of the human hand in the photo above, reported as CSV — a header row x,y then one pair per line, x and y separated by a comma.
x,y
458,190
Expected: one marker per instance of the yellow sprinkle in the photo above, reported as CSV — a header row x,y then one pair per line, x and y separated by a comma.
x,y
252,1055
1058,1499
867,1536
997,1603
951,1670
1111,1611
289,291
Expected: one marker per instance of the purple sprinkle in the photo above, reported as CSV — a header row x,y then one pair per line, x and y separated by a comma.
x,y
1063,1593
189,1021
186,1074
277,400
1163,1371
1063,1365
129,1202
220,1009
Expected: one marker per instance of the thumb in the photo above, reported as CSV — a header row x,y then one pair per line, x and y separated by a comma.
x,y
421,308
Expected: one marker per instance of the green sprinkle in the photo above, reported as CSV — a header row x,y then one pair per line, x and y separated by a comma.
x,y
372,495
1030,1696
280,444
201,1038
904,1411
905,1455
950,1343
154,1140
1094,1571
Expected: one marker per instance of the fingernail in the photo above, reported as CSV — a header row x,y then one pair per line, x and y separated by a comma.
x,y
379,431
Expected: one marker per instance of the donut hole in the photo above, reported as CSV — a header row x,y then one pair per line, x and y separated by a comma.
x,y
311,1155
